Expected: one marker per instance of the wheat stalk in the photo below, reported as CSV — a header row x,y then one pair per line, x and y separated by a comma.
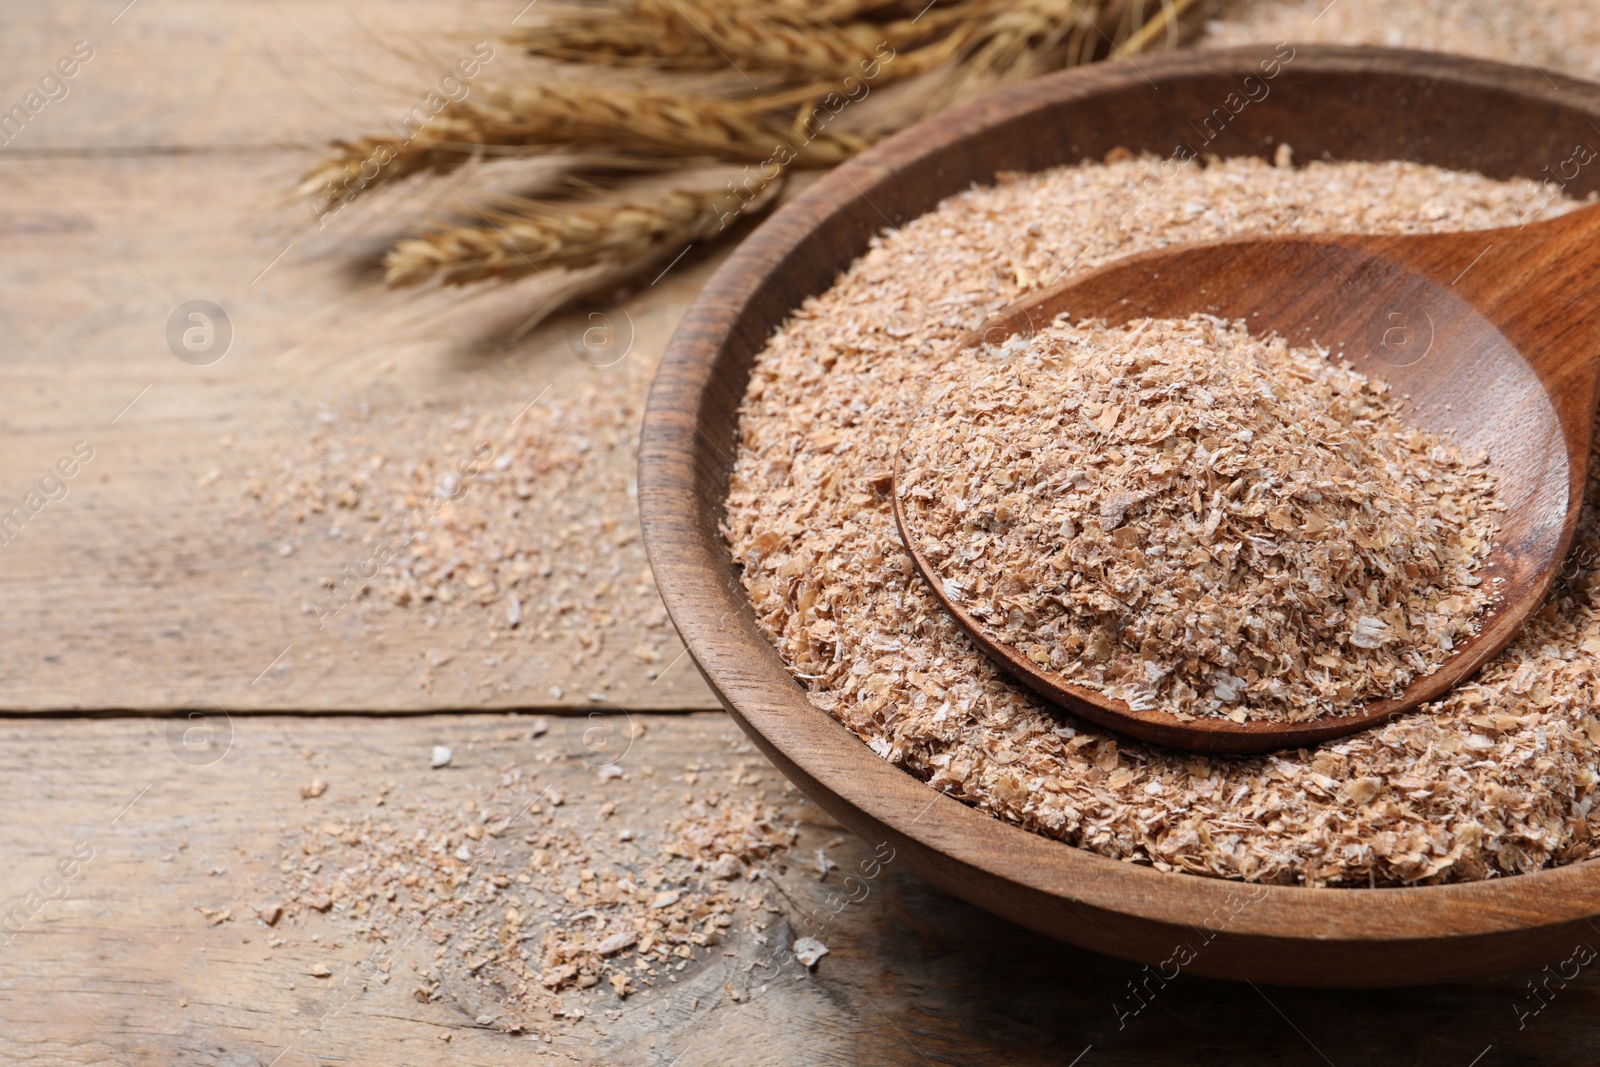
x,y
1012,40
1001,39
597,245
804,51
525,236
1168,24
773,37
991,39
536,116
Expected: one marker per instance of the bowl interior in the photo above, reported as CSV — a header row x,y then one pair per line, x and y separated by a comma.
x,y
1338,103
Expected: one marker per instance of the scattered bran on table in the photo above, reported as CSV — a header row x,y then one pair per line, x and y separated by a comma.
x,y
1496,779
1196,521
513,514
525,903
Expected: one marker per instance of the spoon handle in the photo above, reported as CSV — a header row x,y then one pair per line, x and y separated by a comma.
x,y
1544,278
1540,286
1536,285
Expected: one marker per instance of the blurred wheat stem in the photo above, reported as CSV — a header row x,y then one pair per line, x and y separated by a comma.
x,y
1166,24
527,236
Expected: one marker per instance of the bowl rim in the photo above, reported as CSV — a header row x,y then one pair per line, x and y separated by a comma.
x,y
959,847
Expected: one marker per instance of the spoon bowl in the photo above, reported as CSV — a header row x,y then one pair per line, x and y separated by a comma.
x,y
1493,335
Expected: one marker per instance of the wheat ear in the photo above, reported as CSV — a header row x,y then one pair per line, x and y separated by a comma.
x,y
543,117
528,236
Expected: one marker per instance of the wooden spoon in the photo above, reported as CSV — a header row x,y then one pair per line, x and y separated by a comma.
x,y
1495,336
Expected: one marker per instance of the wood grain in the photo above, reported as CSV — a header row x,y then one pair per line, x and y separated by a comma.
x,y
162,178
125,970
1347,103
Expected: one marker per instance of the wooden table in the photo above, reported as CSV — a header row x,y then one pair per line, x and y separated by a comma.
x,y
162,178
158,179
128,968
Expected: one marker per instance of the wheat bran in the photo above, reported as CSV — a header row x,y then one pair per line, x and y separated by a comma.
x,y
1193,520
1496,779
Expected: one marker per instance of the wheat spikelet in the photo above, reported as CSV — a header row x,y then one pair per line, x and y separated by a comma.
x,y
992,39
822,11
707,36
535,116
527,236
1013,40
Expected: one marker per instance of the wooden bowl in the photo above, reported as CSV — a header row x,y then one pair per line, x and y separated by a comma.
x,y
1342,103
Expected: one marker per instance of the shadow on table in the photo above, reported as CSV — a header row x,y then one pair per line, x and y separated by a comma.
x,y
931,979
